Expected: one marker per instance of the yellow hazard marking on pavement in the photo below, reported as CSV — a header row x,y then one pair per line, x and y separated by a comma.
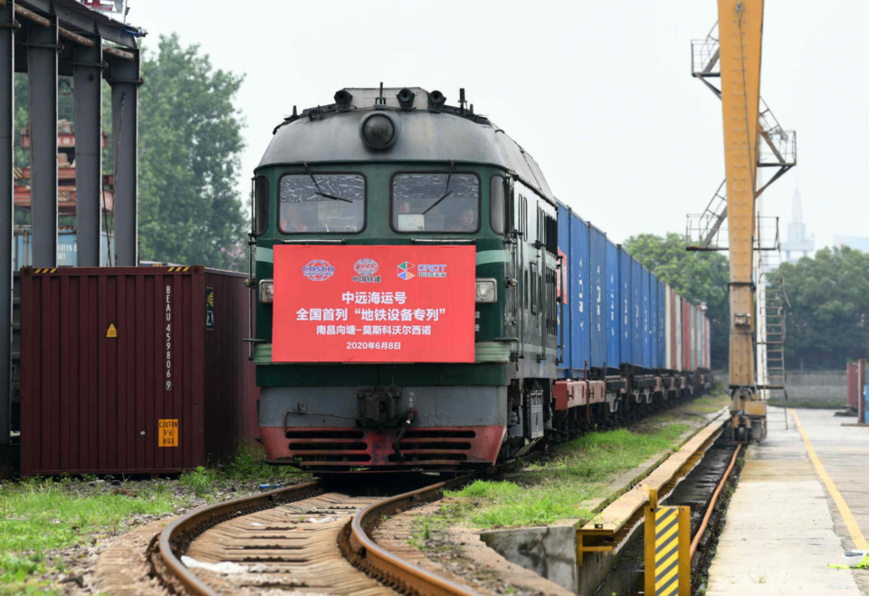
x,y
167,429
844,510
112,331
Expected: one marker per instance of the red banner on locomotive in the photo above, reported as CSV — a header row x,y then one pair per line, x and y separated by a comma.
x,y
374,304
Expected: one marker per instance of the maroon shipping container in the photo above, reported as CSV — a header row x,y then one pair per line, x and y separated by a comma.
x,y
853,391
862,397
133,369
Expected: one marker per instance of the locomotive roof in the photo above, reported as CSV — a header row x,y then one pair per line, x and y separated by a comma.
x,y
446,133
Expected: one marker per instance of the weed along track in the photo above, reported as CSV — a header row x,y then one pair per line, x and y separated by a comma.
x,y
305,538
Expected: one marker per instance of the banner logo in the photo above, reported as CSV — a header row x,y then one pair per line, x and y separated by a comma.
x,y
405,270
318,270
365,269
431,270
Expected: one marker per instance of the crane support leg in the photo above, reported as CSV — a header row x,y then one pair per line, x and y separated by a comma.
x,y
740,24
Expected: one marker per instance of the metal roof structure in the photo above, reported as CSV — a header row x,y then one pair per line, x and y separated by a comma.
x,y
426,132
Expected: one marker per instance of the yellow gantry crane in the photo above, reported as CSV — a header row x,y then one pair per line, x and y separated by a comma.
x,y
752,138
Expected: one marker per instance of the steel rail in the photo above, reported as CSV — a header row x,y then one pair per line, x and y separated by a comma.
x,y
364,553
712,502
175,538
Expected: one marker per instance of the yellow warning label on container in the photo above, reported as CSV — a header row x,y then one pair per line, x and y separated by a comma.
x,y
167,429
112,331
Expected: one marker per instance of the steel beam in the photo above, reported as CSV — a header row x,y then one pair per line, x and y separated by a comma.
x,y
83,19
7,206
123,76
42,75
87,87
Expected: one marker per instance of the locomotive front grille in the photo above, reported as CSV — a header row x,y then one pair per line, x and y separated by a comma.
x,y
334,448
446,447
328,447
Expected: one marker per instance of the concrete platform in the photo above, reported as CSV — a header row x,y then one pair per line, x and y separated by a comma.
x,y
784,525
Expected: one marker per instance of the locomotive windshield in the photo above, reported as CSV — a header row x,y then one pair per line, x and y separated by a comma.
x,y
322,203
436,203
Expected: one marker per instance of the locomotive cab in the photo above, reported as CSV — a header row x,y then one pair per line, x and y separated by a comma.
x,y
364,212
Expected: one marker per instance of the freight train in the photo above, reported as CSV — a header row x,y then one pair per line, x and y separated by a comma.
x,y
423,300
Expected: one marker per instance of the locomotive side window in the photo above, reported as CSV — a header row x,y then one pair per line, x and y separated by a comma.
x,y
496,204
261,205
436,203
322,203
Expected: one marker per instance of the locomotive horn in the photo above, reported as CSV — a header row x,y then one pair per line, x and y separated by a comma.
x,y
343,98
405,98
436,101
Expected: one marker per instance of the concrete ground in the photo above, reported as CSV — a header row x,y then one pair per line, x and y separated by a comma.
x,y
783,526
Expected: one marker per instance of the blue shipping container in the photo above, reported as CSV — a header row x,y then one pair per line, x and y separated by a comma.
x,y
613,337
597,296
574,310
637,313
662,321
646,356
578,289
653,320
624,305
564,336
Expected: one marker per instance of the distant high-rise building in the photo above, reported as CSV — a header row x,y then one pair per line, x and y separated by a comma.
x,y
856,242
798,240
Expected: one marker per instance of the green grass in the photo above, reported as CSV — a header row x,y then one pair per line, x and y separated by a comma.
x,y
40,515
249,466
580,471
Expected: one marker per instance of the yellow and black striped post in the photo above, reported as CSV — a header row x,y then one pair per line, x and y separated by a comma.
x,y
668,547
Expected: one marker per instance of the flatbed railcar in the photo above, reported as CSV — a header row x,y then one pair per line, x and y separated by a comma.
x,y
555,329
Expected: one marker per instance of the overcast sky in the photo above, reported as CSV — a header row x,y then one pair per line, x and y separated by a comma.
x,y
600,93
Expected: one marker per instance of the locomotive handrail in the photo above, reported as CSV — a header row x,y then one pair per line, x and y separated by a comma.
x,y
313,241
444,240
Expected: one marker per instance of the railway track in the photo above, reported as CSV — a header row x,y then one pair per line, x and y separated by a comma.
x,y
311,537
304,537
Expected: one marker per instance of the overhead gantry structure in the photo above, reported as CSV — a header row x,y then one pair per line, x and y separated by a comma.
x,y
49,39
731,56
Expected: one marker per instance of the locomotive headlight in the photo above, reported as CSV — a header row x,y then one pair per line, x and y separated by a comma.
x,y
379,130
267,291
487,291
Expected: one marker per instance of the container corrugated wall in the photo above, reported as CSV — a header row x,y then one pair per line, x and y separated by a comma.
x,y
653,321
707,363
637,313
669,361
581,352
686,335
565,285
662,325
112,357
597,296
853,392
645,279
625,326
613,336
